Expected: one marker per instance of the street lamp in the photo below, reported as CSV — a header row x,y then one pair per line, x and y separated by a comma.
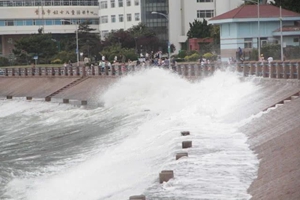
x,y
281,38
169,47
258,25
77,53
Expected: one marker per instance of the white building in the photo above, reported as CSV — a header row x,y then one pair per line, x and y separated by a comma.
x,y
118,14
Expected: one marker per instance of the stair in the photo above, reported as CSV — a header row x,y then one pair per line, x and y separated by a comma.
x,y
286,100
72,84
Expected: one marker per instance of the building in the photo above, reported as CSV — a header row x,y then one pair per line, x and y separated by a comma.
x,y
23,17
123,14
180,13
118,14
243,27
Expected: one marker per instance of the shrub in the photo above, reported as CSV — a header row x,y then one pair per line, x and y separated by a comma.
x,y
190,53
208,56
193,57
4,62
56,61
181,54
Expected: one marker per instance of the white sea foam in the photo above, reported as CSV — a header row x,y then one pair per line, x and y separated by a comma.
x,y
154,106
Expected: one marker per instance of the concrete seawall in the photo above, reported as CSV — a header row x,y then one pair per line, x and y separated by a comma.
x,y
275,136
40,87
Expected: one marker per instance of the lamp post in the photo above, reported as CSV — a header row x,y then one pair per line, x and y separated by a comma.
x,y
258,24
77,50
169,45
281,37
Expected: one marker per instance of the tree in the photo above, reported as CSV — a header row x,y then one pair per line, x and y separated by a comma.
x,y
139,37
293,5
40,45
199,29
88,40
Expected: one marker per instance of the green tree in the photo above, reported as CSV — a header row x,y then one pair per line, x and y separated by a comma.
x,y
139,38
40,45
145,38
4,61
199,29
88,40
293,5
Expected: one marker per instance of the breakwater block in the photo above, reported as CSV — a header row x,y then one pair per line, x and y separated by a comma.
x,y
47,98
185,133
84,103
137,197
9,97
186,144
165,175
179,155
28,98
65,100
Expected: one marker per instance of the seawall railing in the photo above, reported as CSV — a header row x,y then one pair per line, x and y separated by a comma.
x,y
284,70
98,71
279,70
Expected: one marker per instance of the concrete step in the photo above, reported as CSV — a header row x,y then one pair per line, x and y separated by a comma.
x,y
294,97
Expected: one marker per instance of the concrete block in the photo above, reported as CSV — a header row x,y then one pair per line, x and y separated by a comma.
x,y
186,144
65,100
137,197
47,98
179,155
185,133
165,175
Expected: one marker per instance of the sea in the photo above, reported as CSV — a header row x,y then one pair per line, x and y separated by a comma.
x,y
55,151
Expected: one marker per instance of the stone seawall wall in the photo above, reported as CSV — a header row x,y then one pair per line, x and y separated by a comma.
x,y
40,87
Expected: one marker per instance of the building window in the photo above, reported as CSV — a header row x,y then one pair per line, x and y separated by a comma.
x,y
9,23
137,16
18,23
205,13
204,1
120,3
296,40
136,2
121,18
128,2
248,43
104,19
113,18
103,4
112,3
129,17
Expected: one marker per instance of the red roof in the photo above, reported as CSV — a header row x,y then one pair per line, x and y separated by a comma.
x,y
250,11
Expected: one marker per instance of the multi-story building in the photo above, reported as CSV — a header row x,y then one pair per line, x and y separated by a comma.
x,y
118,14
171,18
23,17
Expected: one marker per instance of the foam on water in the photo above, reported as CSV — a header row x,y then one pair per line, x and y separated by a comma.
x,y
150,107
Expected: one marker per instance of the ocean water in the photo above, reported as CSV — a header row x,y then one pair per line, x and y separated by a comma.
x,y
56,151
